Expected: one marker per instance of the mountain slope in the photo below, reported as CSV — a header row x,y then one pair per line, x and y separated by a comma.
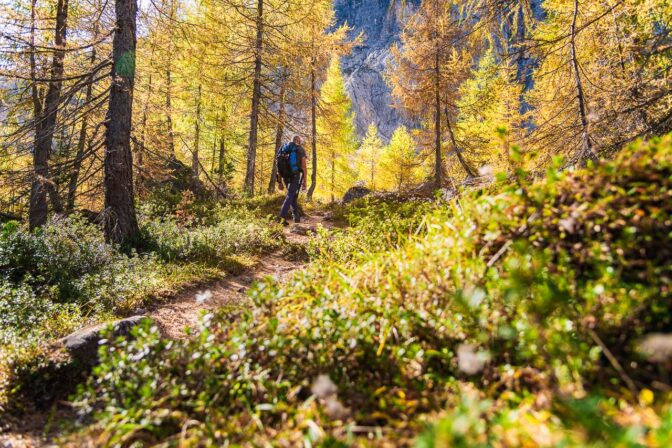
x,y
364,69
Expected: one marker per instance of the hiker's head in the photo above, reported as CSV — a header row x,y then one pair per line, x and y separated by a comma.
x,y
297,140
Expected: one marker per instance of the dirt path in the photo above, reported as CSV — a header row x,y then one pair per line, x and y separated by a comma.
x,y
174,314
184,310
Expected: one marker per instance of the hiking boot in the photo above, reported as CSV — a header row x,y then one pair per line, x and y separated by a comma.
x,y
283,221
297,220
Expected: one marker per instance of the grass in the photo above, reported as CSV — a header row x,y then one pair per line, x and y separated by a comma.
x,y
511,318
64,276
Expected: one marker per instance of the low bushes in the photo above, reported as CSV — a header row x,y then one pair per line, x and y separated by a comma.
x,y
226,231
374,225
516,310
64,276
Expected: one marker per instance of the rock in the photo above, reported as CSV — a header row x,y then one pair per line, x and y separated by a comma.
x,y
83,344
298,229
380,22
246,279
355,192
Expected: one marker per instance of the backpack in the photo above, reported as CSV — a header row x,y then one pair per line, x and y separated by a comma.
x,y
287,160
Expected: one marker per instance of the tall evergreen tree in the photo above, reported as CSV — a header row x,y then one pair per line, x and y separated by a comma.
x,y
368,157
401,166
337,139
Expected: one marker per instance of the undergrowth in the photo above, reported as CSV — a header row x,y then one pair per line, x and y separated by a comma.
x,y
510,319
64,275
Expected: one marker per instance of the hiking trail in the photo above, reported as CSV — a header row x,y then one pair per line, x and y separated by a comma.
x,y
174,313
184,309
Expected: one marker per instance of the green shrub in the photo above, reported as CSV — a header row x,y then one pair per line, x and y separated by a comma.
x,y
374,225
228,231
533,297
68,261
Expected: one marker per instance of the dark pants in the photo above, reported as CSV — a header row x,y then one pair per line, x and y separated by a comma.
x,y
292,199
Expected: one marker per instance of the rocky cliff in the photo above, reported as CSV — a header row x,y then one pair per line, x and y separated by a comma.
x,y
364,68
380,22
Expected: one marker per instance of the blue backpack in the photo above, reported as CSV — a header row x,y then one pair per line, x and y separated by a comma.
x,y
287,160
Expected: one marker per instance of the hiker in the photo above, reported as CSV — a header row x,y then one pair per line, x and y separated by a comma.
x,y
291,163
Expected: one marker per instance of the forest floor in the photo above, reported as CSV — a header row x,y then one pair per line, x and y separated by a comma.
x,y
174,314
184,309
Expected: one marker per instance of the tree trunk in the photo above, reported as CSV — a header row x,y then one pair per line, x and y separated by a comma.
x,y
46,126
169,86
220,165
279,131
256,99
81,143
120,222
197,134
37,101
373,173
333,175
313,124
458,152
587,151
169,114
140,152
438,163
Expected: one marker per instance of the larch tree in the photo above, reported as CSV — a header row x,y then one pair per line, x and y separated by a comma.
x,y
121,225
337,135
426,72
319,47
45,126
599,83
401,165
368,157
256,99
489,120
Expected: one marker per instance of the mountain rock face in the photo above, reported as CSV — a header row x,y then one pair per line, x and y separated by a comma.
x,y
380,25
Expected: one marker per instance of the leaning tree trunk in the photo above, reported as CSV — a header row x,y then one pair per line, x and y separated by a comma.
x,y
140,149
333,175
587,151
169,114
197,135
256,99
279,131
313,124
45,128
438,163
456,148
81,143
121,225
220,162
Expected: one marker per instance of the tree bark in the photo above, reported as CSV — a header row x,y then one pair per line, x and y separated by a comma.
x,y
46,126
256,99
120,222
197,134
313,124
169,114
587,151
438,162
333,175
81,143
458,152
140,151
279,131
220,164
